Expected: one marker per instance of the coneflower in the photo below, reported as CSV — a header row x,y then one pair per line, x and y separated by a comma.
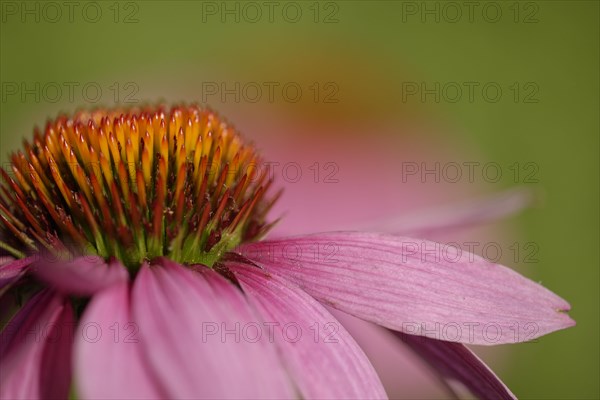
x,y
147,225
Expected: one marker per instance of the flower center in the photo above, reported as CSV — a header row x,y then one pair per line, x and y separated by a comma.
x,y
134,184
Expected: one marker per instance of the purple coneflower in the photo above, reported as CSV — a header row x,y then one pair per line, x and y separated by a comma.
x,y
131,248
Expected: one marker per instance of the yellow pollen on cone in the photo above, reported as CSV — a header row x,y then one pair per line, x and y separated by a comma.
x,y
134,184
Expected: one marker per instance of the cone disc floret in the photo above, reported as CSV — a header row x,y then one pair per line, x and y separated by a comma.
x,y
134,184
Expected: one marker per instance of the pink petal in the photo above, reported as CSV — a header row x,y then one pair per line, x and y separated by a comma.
x,y
109,360
192,330
5,260
388,356
324,193
323,358
11,270
35,350
56,373
82,276
456,361
474,212
415,286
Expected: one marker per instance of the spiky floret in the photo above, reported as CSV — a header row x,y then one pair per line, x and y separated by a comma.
x,y
134,184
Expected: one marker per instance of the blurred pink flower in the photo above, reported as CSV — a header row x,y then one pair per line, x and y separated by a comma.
x,y
250,322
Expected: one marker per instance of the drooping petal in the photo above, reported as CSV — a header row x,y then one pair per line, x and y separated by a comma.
x,y
35,350
55,379
323,358
415,286
193,333
109,360
82,276
456,361
11,270
388,356
474,212
325,195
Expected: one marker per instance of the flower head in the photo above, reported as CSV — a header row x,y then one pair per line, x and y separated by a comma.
x,y
157,217
136,185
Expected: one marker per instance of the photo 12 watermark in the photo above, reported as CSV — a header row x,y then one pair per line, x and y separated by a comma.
x,y
73,92
252,12
271,331
452,12
467,251
90,332
270,92
470,92
53,12
525,172
491,332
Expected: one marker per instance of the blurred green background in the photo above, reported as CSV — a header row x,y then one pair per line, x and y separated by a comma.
x,y
366,56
